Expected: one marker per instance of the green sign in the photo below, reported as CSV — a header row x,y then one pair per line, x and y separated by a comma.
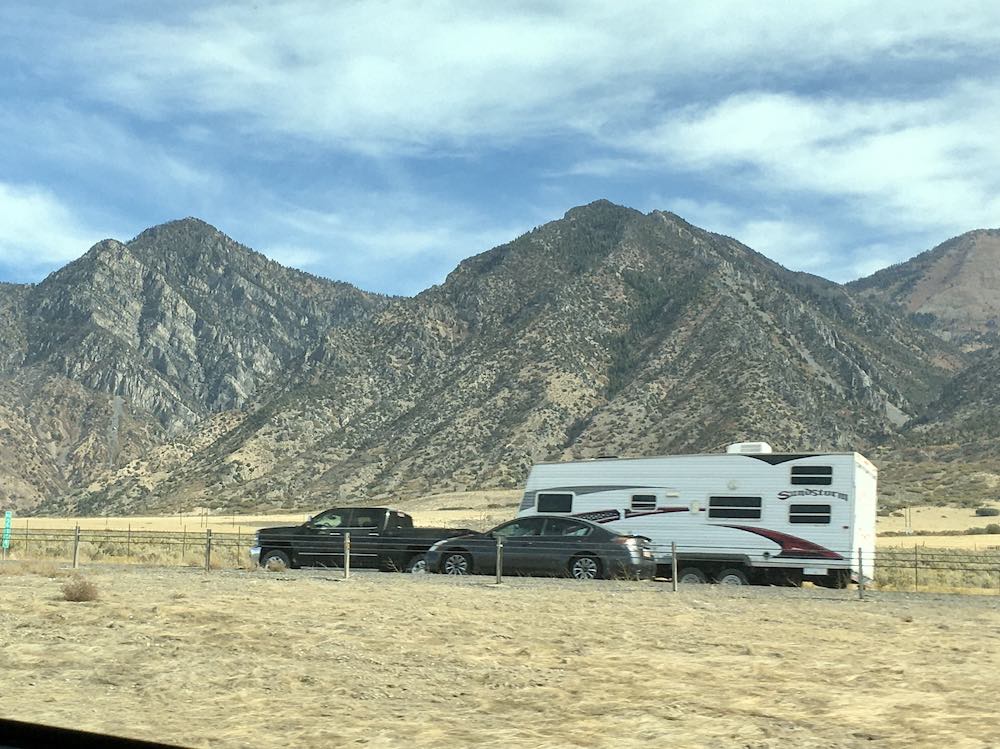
x,y
8,516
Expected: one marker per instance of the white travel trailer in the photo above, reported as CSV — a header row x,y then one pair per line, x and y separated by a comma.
x,y
746,515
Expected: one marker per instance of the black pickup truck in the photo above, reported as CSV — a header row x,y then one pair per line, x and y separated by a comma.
x,y
381,537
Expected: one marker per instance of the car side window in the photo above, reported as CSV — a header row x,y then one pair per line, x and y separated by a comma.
x,y
518,528
330,519
564,527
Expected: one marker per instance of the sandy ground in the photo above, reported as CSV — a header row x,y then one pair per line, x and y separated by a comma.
x,y
259,659
939,519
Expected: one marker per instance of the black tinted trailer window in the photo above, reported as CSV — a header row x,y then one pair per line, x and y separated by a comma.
x,y
643,501
815,475
814,514
550,502
747,508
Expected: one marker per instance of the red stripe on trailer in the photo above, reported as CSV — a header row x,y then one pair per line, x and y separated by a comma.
x,y
791,546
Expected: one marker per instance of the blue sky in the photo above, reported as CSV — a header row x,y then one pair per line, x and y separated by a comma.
x,y
382,142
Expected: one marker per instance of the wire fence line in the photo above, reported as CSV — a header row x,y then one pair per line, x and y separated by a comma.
x,y
916,568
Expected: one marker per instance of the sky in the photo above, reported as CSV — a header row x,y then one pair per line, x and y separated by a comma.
x,y
382,142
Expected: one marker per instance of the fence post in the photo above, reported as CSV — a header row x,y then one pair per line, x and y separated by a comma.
x,y
916,569
76,548
184,540
499,559
128,544
861,575
347,555
208,550
673,565
26,538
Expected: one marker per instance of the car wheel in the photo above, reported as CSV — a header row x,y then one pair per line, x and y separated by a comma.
x,y
457,563
277,557
732,576
585,568
417,564
692,576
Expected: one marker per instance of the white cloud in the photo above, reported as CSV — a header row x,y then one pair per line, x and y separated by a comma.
x,y
389,76
37,230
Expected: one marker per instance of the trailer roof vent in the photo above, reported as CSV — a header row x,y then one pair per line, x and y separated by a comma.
x,y
748,448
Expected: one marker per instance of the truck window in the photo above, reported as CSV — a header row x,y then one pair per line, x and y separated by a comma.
x,y
549,502
747,508
400,520
815,475
813,514
331,519
643,501
367,519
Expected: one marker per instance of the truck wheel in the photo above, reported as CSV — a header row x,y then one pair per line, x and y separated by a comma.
x,y
692,576
732,576
417,564
277,558
457,563
585,568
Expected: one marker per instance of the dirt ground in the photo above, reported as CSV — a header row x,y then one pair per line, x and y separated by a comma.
x,y
233,659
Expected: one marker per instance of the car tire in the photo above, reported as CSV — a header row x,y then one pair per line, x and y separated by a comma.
x,y
417,564
456,563
585,567
732,576
692,576
275,555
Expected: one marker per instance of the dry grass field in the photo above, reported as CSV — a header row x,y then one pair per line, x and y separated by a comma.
x,y
239,659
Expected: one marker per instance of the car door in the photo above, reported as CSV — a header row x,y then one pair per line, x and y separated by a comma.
x,y
519,537
561,540
321,541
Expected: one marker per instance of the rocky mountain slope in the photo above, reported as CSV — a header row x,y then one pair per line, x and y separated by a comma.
x,y
217,378
953,289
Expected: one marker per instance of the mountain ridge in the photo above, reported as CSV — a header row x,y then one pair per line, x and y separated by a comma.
x,y
239,383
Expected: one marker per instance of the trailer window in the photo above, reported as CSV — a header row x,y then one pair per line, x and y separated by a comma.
x,y
555,502
747,508
815,514
816,475
643,501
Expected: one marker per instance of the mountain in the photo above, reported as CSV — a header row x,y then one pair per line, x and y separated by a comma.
x,y
608,331
952,289
137,342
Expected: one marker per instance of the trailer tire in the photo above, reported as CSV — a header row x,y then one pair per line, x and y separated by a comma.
x,y
732,576
692,576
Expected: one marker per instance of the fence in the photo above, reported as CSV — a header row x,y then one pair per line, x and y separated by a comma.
x,y
209,549
903,569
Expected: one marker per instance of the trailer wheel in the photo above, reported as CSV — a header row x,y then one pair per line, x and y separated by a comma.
x,y
732,576
417,564
692,576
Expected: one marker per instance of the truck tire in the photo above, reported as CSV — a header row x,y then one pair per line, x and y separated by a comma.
x,y
457,563
278,557
732,576
585,567
417,564
692,576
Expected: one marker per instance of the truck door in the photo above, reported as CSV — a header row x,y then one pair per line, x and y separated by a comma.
x,y
320,542
366,529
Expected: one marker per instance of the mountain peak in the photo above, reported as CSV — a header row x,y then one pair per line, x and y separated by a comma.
x,y
954,287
